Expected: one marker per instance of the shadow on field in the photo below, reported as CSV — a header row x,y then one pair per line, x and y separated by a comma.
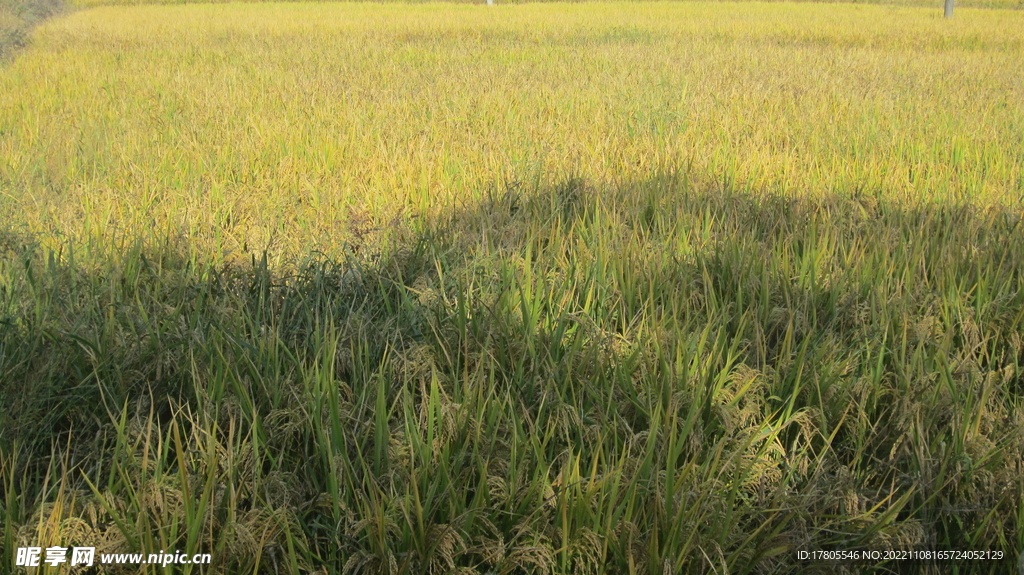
x,y
566,379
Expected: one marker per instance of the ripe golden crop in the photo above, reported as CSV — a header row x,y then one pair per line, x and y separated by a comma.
x,y
541,288
246,127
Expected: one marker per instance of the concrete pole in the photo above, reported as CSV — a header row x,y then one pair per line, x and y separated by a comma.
x,y
949,8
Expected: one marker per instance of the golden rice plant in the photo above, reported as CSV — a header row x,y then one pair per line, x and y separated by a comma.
x,y
541,288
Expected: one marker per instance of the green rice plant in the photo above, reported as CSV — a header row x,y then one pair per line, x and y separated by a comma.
x,y
720,284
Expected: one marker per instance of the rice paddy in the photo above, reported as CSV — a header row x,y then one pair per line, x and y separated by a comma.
x,y
674,287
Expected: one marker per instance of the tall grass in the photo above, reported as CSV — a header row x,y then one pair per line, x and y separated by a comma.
x,y
540,289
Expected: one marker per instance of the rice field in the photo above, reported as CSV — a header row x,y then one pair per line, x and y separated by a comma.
x,y
581,288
